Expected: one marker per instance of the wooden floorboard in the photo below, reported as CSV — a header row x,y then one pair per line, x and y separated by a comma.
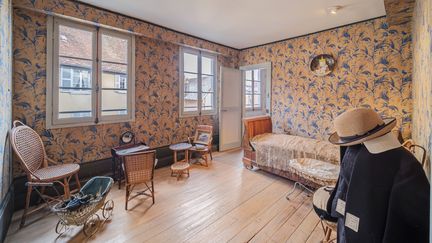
x,y
220,203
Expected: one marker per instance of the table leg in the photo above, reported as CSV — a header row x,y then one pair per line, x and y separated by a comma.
x,y
175,156
187,156
114,167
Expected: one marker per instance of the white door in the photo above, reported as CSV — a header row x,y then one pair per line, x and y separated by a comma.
x,y
230,119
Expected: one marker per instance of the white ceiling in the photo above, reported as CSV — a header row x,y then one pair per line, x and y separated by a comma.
x,y
245,23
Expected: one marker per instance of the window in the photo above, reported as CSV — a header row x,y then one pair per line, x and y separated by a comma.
x,y
256,83
91,75
74,77
253,88
197,83
121,81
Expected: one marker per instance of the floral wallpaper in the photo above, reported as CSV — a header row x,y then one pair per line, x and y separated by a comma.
x,y
422,75
5,94
373,68
157,119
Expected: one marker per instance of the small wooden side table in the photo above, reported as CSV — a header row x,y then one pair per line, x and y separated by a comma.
x,y
180,167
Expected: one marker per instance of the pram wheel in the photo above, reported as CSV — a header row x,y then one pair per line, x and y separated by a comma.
x,y
91,225
61,227
107,209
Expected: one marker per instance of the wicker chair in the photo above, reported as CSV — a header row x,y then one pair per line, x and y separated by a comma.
x,y
203,148
139,169
29,149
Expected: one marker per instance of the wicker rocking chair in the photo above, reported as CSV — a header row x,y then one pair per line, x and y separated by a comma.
x,y
139,170
29,149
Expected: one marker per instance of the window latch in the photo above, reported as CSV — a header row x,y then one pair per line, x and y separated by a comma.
x,y
96,120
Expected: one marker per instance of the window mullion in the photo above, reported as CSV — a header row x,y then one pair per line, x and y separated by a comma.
x,y
98,72
253,89
199,83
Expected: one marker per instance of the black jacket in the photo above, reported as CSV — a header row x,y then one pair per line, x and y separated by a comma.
x,y
389,193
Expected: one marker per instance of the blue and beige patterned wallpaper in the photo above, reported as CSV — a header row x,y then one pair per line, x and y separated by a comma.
x,y
373,68
422,75
157,119
5,94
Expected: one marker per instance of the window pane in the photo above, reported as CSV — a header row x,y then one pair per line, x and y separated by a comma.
x,y
248,101
66,77
207,101
190,82
248,75
207,83
207,65
257,87
114,75
74,103
75,73
75,42
190,102
66,72
257,101
114,49
256,75
190,63
114,102
248,87
111,73
120,81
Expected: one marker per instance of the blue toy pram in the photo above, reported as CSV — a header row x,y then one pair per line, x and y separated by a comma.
x,y
81,208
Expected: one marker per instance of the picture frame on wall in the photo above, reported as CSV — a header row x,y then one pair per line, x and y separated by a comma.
x,y
322,65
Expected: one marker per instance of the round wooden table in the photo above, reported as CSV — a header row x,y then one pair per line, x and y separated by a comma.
x,y
180,167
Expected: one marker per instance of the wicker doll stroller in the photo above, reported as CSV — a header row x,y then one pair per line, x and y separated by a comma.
x,y
81,208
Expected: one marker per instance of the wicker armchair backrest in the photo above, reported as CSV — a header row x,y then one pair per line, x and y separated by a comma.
x,y
203,128
28,147
139,167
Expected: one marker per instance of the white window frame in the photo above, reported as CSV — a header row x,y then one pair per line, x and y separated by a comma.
x,y
53,75
199,111
265,108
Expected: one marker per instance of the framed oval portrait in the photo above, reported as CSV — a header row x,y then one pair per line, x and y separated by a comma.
x,y
322,65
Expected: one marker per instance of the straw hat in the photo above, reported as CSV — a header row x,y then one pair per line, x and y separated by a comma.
x,y
359,125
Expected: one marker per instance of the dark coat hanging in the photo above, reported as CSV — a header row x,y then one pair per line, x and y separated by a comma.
x,y
389,195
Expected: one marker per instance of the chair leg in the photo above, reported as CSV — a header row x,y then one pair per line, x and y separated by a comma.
x,y
210,151
42,191
152,185
127,197
206,159
27,204
77,181
66,188
327,235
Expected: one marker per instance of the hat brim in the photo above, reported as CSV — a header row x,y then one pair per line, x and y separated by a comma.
x,y
389,124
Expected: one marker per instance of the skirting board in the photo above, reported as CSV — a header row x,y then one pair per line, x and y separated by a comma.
x,y
6,212
93,168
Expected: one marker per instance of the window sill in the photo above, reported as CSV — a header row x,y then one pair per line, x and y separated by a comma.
x,y
197,115
86,124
